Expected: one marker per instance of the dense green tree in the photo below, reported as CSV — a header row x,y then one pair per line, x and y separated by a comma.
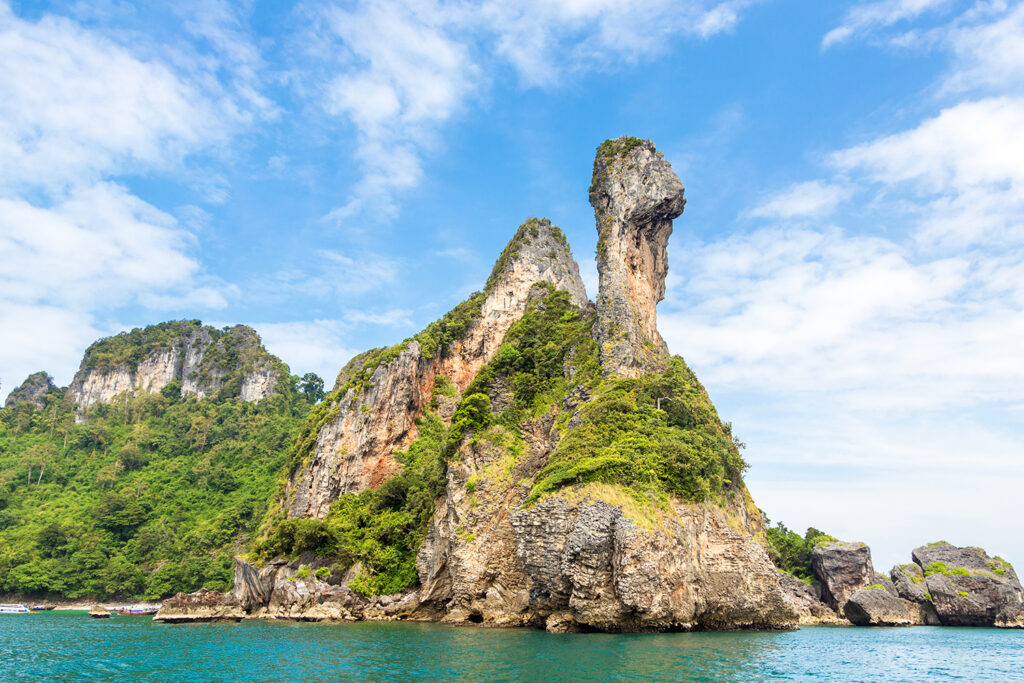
x,y
312,387
151,496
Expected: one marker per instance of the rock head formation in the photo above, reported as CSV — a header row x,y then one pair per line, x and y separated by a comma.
x,y
635,195
520,534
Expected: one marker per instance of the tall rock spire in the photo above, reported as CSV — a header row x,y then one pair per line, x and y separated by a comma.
x,y
635,195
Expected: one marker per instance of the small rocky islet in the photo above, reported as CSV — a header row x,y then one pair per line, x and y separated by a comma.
x,y
531,459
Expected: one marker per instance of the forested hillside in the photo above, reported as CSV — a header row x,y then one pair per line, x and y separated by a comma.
x,y
152,495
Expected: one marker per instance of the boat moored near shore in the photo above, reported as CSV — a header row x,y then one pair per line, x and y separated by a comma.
x,y
13,609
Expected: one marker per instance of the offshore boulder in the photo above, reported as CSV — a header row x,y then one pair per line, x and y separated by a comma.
x,y
875,606
842,569
635,195
379,395
969,588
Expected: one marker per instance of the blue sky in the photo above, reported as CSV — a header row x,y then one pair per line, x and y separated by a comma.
x,y
847,279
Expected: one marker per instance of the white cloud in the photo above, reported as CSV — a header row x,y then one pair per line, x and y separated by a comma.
x,y
962,166
74,106
309,346
333,274
811,199
989,53
36,337
78,110
399,70
869,16
859,321
546,39
98,246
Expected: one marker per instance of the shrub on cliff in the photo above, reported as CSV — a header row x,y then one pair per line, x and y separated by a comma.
x,y
791,552
622,437
381,528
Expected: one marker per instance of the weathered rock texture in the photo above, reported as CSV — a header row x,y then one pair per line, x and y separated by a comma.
x,y
589,558
33,390
803,599
908,579
354,446
205,360
967,587
842,569
878,607
203,605
286,591
635,195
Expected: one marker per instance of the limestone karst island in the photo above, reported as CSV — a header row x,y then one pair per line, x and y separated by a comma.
x,y
530,459
511,340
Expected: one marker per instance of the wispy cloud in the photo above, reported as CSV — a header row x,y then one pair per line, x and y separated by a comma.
x,y
812,199
78,110
868,16
400,70
324,346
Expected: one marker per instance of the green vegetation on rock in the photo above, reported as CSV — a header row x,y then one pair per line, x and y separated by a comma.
x,y
618,437
611,150
683,449
381,528
131,348
791,552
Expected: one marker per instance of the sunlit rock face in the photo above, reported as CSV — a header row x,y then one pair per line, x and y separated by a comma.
x,y
354,447
635,195
202,358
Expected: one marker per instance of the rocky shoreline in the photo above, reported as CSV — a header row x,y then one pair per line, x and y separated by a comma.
x,y
944,586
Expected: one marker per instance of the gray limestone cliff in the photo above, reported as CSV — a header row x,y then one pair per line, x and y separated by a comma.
x,y
635,195
966,586
205,361
379,395
33,390
842,569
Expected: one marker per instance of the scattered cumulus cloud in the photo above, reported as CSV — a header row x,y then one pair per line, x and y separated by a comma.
x,y
324,346
811,199
78,110
962,168
403,69
309,346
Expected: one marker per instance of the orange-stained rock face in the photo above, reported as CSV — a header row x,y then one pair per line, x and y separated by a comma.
x,y
354,450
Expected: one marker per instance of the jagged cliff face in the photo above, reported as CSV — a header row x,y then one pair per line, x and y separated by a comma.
x,y
33,390
202,359
635,195
589,557
367,423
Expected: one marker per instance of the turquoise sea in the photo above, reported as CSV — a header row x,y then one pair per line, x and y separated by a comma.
x,y
68,646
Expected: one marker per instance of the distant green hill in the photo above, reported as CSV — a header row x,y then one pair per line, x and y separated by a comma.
x,y
153,494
